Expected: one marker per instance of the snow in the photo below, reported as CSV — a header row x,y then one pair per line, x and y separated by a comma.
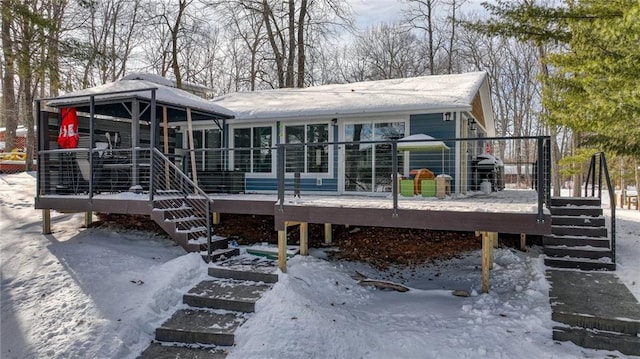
x,y
140,88
94,293
424,93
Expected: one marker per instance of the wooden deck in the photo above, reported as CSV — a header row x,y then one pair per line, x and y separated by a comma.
x,y
509,211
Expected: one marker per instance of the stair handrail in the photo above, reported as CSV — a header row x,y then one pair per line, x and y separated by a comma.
x,y
157,177
598,163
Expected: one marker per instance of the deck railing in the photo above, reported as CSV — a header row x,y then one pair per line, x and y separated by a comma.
x,y
599,171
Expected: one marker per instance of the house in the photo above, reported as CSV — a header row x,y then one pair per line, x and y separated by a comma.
x,y
335,155
352,115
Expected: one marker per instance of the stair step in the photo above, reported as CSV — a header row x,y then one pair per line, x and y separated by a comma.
x,y
595,339
160,351
217,242
579,263
200,326
593,300
574,241
220,254
576,211
579,231
577,252
585,221
575,201
221,272
187,222
227,294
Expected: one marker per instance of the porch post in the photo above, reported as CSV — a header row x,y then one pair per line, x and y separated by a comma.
x,y
487,254
328,235
135,140
282,249
304,238
46,221
394,176
92,113
154,141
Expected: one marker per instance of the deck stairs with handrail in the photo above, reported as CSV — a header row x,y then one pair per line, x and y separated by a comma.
x,y
578,236
183,210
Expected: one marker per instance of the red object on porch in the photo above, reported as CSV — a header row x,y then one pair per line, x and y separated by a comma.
x,y
68,136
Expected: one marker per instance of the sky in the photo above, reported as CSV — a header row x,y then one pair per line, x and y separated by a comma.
x,y
371,12
100,293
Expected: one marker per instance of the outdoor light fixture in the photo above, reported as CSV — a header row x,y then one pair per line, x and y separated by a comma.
x,y
447,116
472,125
334,122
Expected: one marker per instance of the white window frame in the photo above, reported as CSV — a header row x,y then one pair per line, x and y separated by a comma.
x,y
330,151
232,144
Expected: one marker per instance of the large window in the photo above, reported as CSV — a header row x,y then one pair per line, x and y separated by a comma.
x,y
368,165
207,144
252,149
312,158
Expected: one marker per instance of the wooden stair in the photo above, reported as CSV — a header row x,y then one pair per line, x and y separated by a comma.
x,y
578,235
182,220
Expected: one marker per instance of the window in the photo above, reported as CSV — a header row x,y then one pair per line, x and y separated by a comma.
x,y
252,149
312,158
368,165
206,144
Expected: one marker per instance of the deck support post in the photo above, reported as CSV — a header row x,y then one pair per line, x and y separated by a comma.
x,y
282,249
495,239
487,258
523,242
328,233
46,221
304,239
215,217
88,218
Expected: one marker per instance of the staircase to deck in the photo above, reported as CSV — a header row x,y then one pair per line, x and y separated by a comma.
x,y
578,235
183,210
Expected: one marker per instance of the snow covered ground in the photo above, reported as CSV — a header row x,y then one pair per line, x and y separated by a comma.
x,y
91,293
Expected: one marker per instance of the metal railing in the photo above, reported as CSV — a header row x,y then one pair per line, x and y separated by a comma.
x,y
167,181
598,170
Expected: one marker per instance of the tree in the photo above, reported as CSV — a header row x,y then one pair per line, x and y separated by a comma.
x,y
9,108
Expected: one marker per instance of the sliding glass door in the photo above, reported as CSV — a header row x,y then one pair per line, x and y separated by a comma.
x,y
367,165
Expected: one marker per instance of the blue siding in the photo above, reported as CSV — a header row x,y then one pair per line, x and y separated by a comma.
x,y
306,185
433,125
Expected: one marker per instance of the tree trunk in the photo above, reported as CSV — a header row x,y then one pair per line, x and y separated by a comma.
x,y
301,44
9,110
292,44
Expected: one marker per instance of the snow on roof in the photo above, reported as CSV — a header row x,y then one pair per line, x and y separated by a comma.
x,y
165,94
425,93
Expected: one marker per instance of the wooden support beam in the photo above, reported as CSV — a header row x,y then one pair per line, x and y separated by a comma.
x,y
487,249
88,218
46,221
215,218
523,241
304,239
328,233
495,239
194,168
282,250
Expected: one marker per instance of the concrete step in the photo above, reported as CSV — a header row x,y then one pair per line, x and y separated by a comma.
x,y
227,294
579,263
584,221
574,201
595,339
160,351
200,326
222,272
578,252
576,211
573,241
579,231
220,254
593,300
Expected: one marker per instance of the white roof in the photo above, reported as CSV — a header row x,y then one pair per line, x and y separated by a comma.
x,y
425,93
164,94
